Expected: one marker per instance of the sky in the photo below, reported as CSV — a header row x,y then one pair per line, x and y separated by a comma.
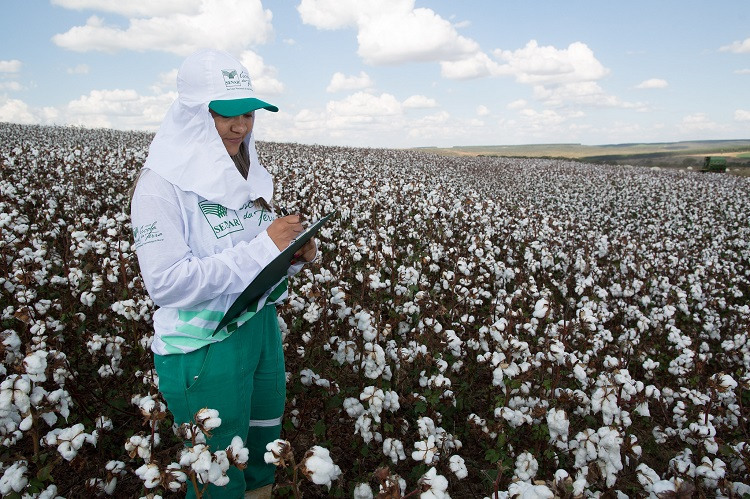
x,y
395,73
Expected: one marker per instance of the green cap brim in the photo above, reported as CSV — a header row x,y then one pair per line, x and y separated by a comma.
x,y
236,107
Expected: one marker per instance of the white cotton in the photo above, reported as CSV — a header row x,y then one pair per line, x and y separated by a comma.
x,y
319,467
525,490
362,491
438,485
276,451
541,307
35,366
558,424
394,449
150,475
237,452
363,427
425,450
88,298
458,467
14,478
526,467
208,418
353,407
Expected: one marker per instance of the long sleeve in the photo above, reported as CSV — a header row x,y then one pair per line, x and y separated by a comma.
x,y
173,274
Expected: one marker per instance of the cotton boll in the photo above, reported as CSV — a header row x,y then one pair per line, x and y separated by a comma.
x,y
36,365
437,485
319,467
525,490
362,491
353,407
711,471
558,424
394,450
237,453
363,427
526,467
279,452
426,450
14,478
458,467
150,475
208,419
541,307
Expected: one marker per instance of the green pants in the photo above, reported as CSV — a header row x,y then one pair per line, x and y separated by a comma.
x,y
243,378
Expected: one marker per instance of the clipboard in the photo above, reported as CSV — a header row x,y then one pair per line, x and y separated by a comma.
x,y
270,275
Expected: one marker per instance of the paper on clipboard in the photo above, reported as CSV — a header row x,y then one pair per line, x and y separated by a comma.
x,y
271,274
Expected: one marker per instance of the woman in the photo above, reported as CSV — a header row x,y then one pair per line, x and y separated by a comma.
x,y
203,229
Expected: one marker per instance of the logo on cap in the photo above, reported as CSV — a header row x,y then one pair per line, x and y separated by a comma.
x,y
233,79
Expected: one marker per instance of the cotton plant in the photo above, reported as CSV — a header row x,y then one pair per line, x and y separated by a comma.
x,y
545,283
316,465
435,442
114,471
196,466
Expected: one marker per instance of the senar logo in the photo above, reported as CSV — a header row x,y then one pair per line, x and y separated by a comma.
x,y
221,220
233,79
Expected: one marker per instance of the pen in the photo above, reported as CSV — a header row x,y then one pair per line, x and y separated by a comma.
x,y
284,212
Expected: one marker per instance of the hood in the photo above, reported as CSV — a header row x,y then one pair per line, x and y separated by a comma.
x,y
188,151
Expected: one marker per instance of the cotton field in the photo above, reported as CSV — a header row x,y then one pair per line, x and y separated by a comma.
x,y
477,327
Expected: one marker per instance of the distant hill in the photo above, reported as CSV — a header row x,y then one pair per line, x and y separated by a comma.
x,y
609,152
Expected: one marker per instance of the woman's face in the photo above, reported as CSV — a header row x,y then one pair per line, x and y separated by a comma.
x,y
233,129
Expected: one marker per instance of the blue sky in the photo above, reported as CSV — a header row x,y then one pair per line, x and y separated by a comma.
x,y
395,73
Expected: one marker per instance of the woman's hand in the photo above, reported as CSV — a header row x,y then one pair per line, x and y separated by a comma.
x,y
306,253
283,230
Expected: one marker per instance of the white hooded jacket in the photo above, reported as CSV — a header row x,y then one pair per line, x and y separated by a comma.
x,y
199,237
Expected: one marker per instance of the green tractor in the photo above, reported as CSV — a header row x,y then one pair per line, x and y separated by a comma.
x,y
714,164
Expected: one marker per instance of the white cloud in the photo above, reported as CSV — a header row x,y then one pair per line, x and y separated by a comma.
x,y
548,65
558,76
134,8
17,111
362,106
362,118
340,81
430,126
698,123
653,83
12,86
390,31
122,109
12,66
394,31
741,115
742,72
517,104
548,117
165,82
737,47
335,14
477,65
80,69
482,110
263,77
584,93
419,102
176,31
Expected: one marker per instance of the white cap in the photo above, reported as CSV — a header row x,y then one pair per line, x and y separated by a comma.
x,y
187,149
221,80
